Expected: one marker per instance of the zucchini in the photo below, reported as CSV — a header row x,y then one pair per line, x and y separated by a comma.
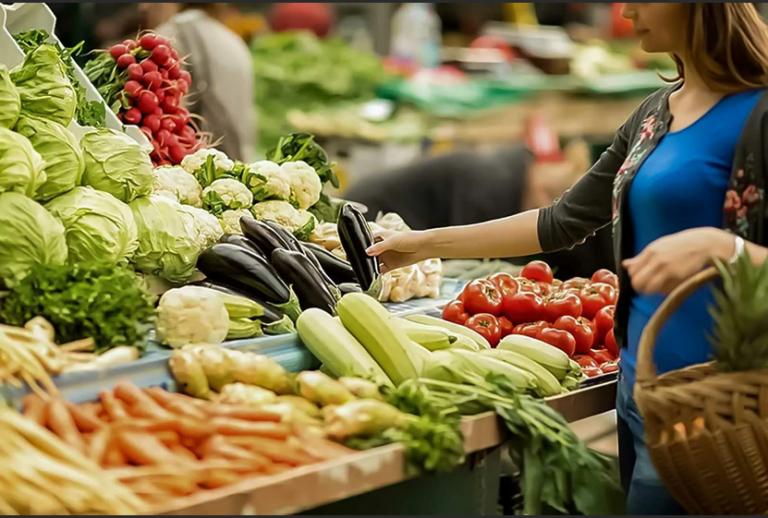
x,y
547,384
451,328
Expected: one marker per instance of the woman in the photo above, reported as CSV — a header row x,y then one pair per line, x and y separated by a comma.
x,y
682,184
221,68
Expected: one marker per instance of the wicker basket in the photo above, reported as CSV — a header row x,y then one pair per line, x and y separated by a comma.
x,y
706,431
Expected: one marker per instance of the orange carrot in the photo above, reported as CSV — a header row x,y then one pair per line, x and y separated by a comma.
x,y
62,424
35,409
215,478
112,406
145,449
176,404
98,445
277,451
113,457
167,437
229,426
244,413
181,451
84,419
136,399
216,446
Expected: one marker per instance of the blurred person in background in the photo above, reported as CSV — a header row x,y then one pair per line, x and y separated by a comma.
x,y
221,67
314,17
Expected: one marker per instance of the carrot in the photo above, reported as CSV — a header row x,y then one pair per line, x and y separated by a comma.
x,y
175,485
62,424
244,413
175,404
113,457
216,446
35,409
167,437
145,449
277,451
181,451
84,419
183,426
112,406
229,426
277,468
321,449
215,478
137,400
98,445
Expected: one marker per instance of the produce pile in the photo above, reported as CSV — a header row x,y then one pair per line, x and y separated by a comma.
x,y
575,316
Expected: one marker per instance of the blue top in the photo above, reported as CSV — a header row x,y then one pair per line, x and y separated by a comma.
x,y
682,185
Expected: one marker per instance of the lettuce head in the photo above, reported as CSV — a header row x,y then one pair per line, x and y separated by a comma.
x,y
22,169
117,164
44,87
10,101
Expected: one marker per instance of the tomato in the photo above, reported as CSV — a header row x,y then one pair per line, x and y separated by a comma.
x,y
537,271
561,304
563,340
454,312
531,330
577,283
610,344
606,291
504,282
524,284
607,277
460,298
580,330
592,326
591,302
481,296
604,323
486,326
585,361
522,307
601,356
591,372
609,367
506,326
544,287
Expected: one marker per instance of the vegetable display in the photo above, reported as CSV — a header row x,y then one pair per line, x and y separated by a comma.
x,y
178,184
10,101
22,169
192,315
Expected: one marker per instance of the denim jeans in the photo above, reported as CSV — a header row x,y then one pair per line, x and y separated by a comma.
x,y
646,494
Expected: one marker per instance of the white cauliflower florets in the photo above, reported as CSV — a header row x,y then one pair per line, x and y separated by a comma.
x,y
196,165
191,315
226,194
230,220
300,222
175,182
206,224
267,181
305,184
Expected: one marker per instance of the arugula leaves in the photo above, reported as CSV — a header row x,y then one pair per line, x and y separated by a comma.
x,y
302,146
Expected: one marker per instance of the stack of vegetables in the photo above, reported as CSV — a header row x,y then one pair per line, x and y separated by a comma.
x,y
144,83
576,316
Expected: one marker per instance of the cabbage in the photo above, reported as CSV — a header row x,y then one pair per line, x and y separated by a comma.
x,y
29,235
98,227
44,87
22,169
115,163
59,148
168,239
10,101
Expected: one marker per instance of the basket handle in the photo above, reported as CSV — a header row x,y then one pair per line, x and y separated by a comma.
x,y
646,368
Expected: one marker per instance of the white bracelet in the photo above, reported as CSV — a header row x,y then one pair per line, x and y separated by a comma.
x,y
738,249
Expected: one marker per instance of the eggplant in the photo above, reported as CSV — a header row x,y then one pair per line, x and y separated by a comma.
x,y
289,239
337,268
262,236
356,237
301,274
249,272
349,287
241,241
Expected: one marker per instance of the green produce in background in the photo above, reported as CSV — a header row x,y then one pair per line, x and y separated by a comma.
x,y
10,101
29,236
22,169
99,228
168,240
44,87
64,164
117,164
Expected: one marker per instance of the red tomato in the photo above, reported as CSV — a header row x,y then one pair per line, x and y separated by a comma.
x,y
591,302
606,291
524,284
607,277
505,326
545,288
537,271
609,367
585,361
580,330
577,283
610,344
522,307
563,340
591,372
604,323
454,312
460,298
561,304
601,356
504,282
592,326
531,330
481,296
487,326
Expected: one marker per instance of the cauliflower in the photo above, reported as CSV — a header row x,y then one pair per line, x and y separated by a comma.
x,y
305,184
208,165
267,181
191,315
230,220
207,226
225,194
175,182
300,222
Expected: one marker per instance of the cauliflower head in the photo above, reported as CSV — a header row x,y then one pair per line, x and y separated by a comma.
x,y
175,182
206,224
305,184
267,181
191,315
208,165
230,220
226,194
300,222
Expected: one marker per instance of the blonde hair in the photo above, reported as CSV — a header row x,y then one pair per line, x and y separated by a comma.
x,y
728,45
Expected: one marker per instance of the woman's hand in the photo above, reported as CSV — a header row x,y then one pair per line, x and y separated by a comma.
x,y
399,249
670,260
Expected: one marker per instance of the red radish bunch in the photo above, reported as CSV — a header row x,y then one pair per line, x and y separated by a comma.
x,y
150,85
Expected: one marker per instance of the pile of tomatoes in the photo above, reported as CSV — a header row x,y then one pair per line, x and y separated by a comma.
x,y
575,316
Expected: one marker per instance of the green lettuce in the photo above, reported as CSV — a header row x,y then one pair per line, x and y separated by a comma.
x,y
22,169
44,87
29,236
99,228
10,101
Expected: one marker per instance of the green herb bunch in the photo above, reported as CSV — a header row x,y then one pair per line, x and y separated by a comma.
x,y
106,303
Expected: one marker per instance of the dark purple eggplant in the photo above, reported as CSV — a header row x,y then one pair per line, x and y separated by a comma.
x,y
285,235
299,272
356,237
349,287
337,268
262,236
242,241
247,271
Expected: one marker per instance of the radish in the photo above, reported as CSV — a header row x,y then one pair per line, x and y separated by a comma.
x,y
168,124
125,60
162,40
152,80
147,102
170,104
174,54
174,70
135,72
133,88
164,73
132,116
187,133
146,131
129,44
152,122
161,54
148,41
120,117
149,66
162,136
117,50
185,76
160,93
159,112
176,153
